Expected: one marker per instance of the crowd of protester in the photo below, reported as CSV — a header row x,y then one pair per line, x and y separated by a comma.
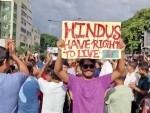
x,y
41,84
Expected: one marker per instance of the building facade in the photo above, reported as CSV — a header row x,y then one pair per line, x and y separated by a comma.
x,y
16,22
35,35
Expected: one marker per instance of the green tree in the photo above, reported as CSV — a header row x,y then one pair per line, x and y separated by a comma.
x,y
48,40
35,48
21,50
24,49
133,27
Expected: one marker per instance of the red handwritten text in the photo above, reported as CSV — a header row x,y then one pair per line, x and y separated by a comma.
x,y
83,53
84,50
86,44
99,30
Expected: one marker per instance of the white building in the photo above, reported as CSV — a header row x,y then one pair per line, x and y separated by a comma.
x,y
35,35
16,22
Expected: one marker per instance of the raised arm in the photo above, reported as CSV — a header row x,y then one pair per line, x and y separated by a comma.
x,y
49,58
22,67
58,64
27,57
120,69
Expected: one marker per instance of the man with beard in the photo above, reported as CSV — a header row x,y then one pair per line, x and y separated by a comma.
x,y
88,92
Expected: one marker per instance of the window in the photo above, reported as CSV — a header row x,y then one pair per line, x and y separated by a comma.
x,y
28,23
15,7
5,16
23,6
34,37
29,17
30,11
15,18
23,30
24,22
22,44
4,5
14,26
28,33
14,36
23,13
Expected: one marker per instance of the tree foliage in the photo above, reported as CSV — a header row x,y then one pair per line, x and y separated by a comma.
x,y
33,49
21,50
48,40
133,27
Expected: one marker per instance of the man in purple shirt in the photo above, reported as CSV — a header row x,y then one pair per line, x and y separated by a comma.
x,y
88,92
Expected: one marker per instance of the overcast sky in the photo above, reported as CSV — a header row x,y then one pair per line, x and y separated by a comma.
x,y
91,10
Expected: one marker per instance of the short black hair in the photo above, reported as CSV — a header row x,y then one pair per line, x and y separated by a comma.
x,y
54,76
12,67
33,62
47,71
65,63
99,63
144,66
11,58
51,66
29,67
81,62
4,55
42,58
133,64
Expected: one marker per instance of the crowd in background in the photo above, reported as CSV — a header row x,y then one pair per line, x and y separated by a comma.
x,y
43,84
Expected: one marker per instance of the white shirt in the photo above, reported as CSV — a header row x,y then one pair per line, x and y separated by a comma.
x,y
53,96
134,78
137,70
71,71
106,68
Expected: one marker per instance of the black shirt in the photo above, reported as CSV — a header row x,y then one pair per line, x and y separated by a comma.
x,y
143,84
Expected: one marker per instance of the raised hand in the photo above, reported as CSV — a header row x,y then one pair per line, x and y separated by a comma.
x,y
12,48
28,53
48,57
8,42
21,57
122,45
60,44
